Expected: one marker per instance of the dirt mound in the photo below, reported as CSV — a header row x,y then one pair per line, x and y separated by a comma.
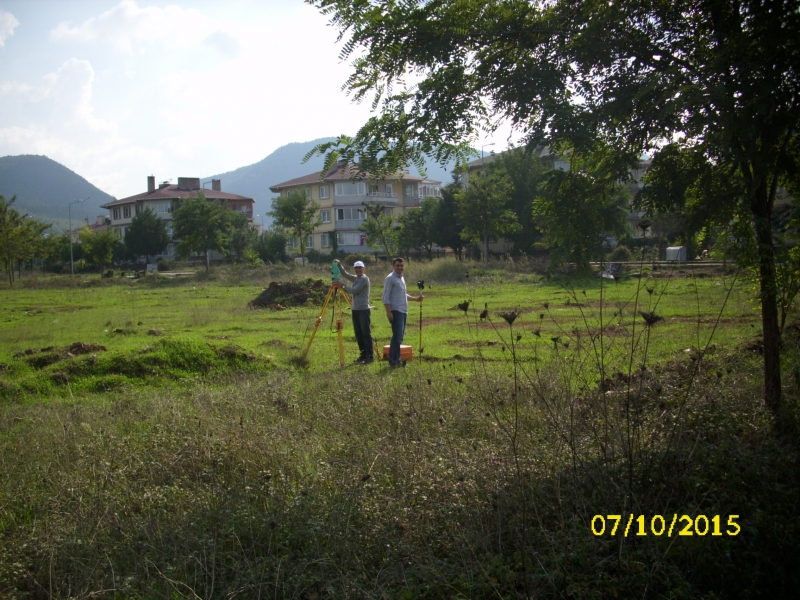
x,y
282,294
81,348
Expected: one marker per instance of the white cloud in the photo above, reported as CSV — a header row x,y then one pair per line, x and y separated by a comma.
x,y
177,92
7,25
56,118
130,29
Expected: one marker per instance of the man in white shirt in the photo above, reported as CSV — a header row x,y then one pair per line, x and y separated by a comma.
x,y
395,300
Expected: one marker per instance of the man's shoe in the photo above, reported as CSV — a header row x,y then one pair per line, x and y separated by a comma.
x,y
367,360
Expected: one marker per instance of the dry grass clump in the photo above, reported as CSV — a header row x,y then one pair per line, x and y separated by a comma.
x,y
430,481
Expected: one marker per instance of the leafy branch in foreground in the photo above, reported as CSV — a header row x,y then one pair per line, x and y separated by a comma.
x,y
630,75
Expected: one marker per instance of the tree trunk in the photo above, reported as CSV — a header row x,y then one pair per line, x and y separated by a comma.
x,y
761,207
208,261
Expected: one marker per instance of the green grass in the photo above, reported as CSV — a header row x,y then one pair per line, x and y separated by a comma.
x,y
201,462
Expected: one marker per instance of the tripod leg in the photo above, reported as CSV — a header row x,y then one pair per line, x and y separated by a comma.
x,y
339,327
330,295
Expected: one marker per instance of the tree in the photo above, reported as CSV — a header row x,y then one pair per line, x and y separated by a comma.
x,y
297,214
147,235
271,246
483,207
526,172
721,76
20,237
243,236
201,226
380,230
417,227
446,226
576,209
98,247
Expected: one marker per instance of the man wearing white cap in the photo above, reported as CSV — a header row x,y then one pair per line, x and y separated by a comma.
x,y
359,292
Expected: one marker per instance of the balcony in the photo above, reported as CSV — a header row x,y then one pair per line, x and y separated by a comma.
x,y
381,198
349,224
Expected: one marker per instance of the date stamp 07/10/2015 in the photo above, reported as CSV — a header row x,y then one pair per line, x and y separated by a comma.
x,y
682,525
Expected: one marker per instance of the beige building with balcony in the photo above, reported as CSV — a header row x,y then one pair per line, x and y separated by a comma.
x,y
343,202
166,197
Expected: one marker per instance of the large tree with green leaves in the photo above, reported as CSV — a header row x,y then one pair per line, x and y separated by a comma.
x,y
417,227
271,246
526,171
720,76
243,237
98,246
147,234
201,226
297,214
21,238
484,207
380,230
575,213
446,227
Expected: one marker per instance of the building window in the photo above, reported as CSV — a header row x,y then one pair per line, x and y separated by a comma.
x,y
350,214
388,189
138,208
163,207
126,212
350,239
324,192
354,188
310,242
325,216
411,191
116,214
308,193
426,191
325,240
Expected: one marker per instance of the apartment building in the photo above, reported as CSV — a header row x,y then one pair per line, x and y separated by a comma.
x,y
162,199
343,201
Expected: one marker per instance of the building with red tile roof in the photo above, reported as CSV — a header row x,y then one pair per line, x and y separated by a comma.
x,y
343,199
166,197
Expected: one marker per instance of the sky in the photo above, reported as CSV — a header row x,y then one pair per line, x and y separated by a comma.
x,y
120,89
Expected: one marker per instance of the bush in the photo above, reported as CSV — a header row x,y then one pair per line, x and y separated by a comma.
x,y
362,256
317,257
620,254
165,264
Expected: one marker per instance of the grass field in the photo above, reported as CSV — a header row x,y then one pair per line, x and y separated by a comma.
x,y
158,441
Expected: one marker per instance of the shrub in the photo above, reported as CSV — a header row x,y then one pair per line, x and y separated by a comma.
x,y
165,264
362,256
620,254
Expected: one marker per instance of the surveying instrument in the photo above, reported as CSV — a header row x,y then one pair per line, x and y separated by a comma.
x,y
335,298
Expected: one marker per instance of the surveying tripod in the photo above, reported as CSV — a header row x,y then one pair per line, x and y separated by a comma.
x,y
334,297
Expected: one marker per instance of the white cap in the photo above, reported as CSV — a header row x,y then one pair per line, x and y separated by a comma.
x,y
358,263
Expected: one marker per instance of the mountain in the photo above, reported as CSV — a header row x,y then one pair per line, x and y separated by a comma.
x,y
44,189
284,164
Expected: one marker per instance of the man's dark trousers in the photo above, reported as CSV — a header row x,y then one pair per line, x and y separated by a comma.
x,y
361,320
398,331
